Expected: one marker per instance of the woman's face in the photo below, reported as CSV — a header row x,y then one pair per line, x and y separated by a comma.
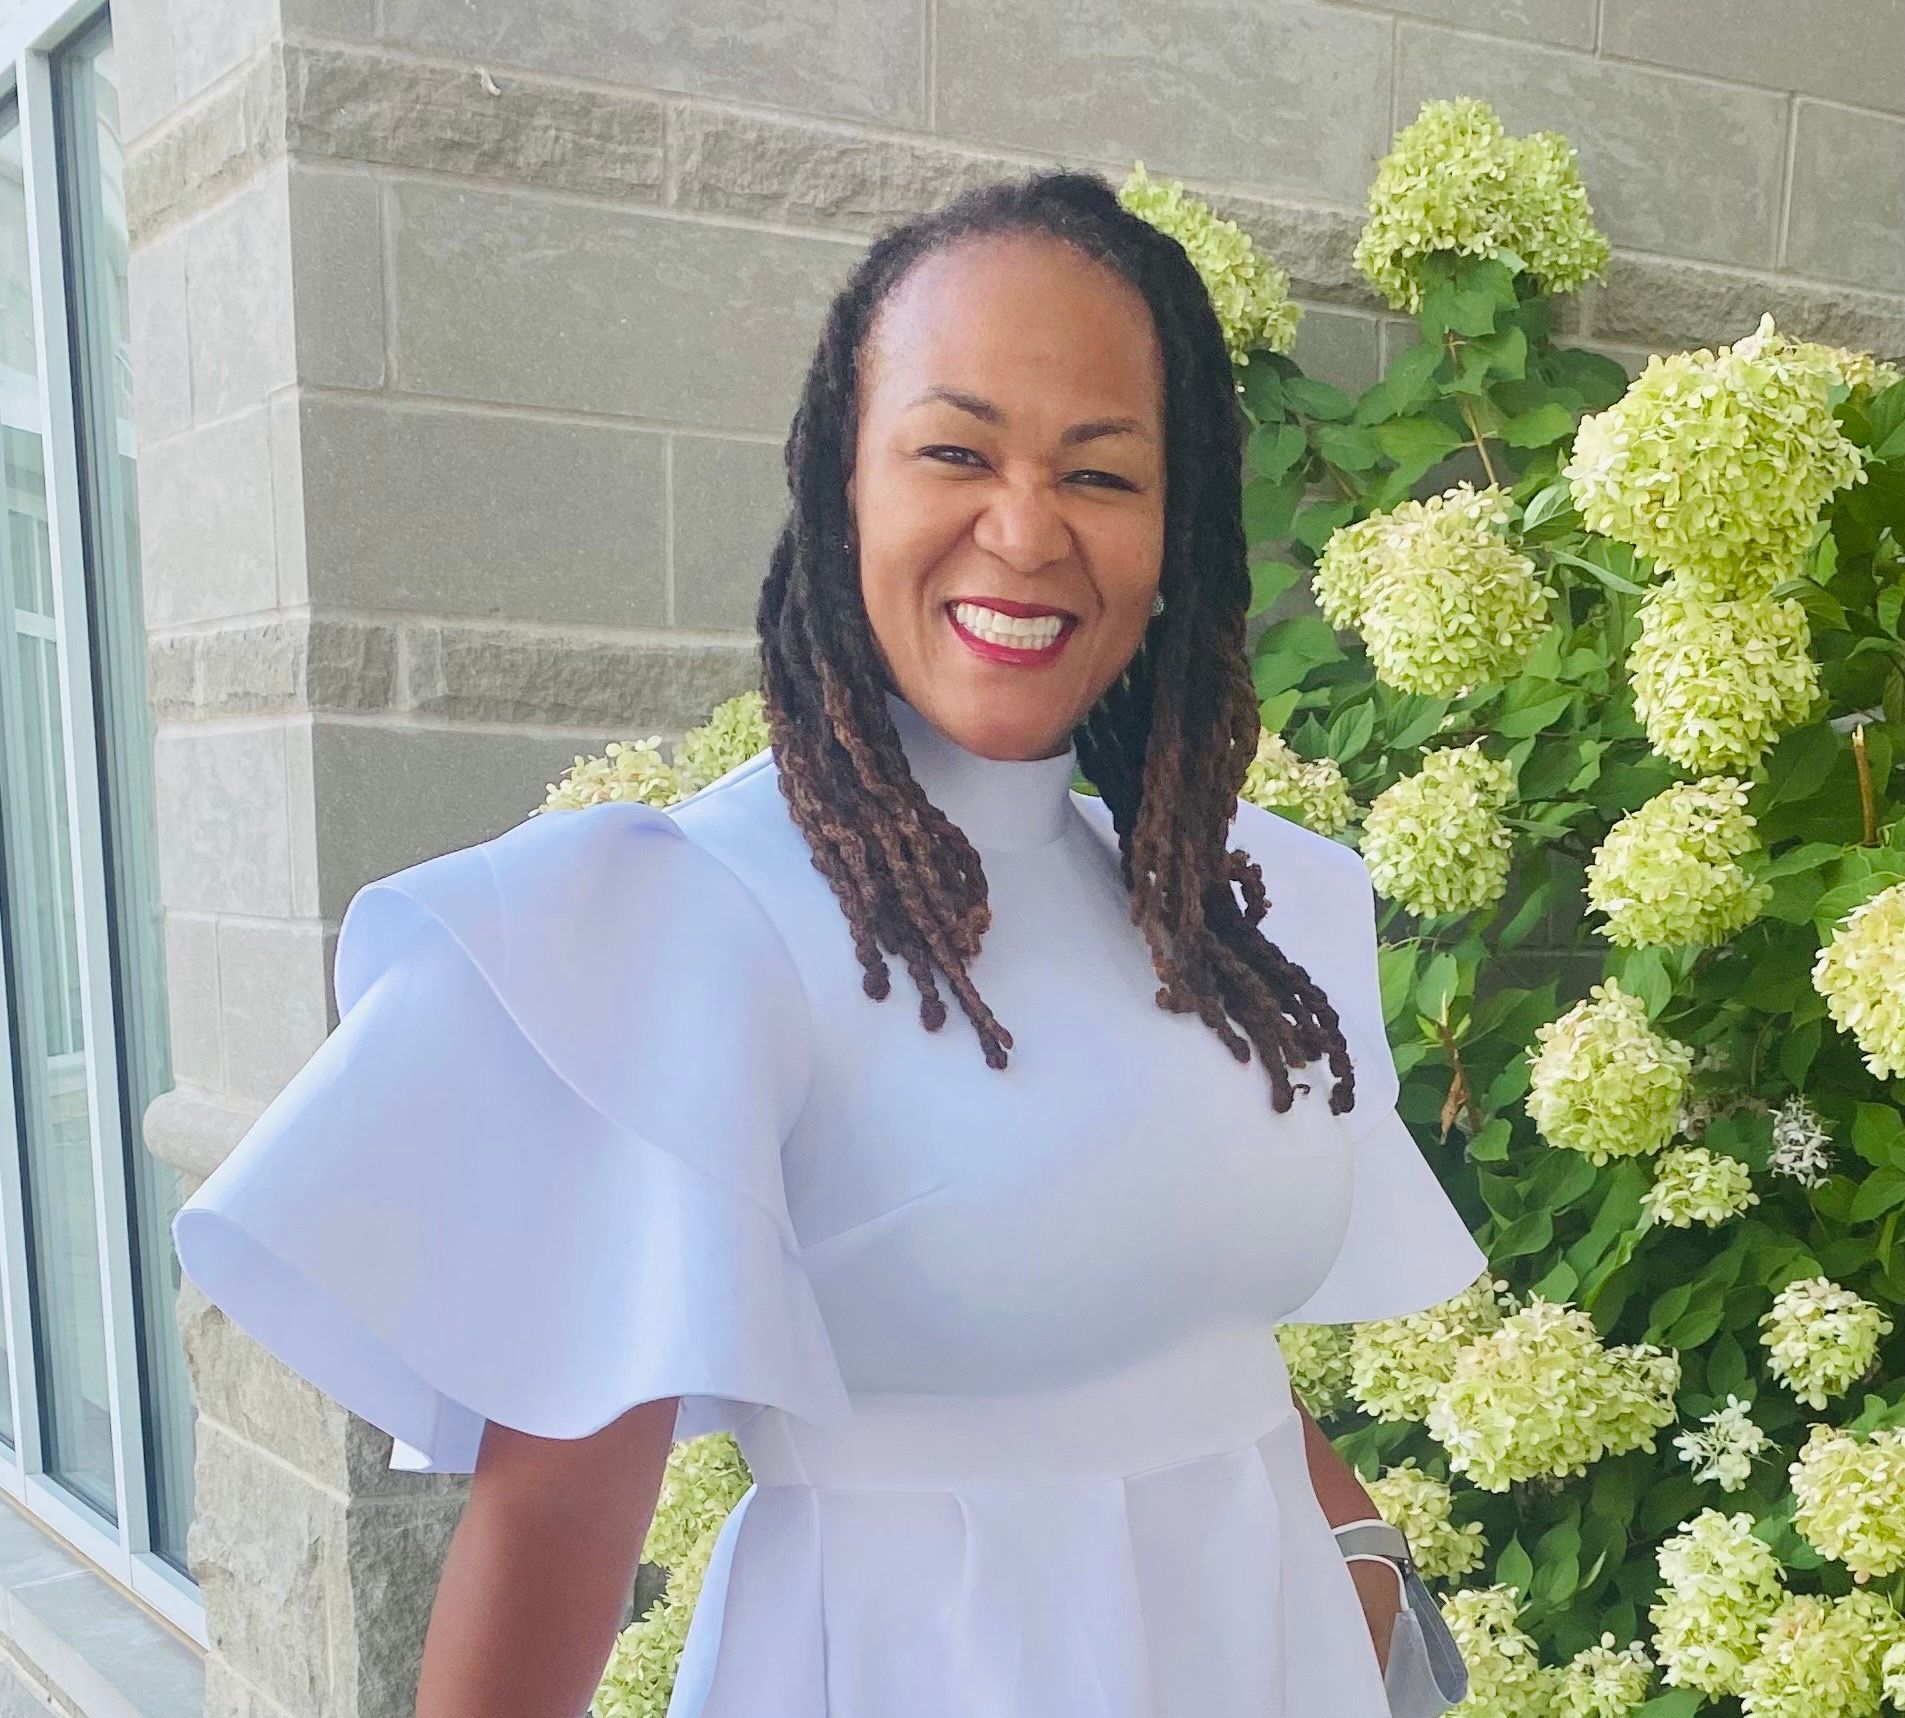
x,y
1008,488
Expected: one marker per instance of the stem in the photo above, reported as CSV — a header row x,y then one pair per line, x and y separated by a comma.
x,y
1342,482
1868,807
1468,417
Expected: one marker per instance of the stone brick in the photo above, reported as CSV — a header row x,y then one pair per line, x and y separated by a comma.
x,y
223,823
1847,217
1633,127
172,676
364,106
192,1006
624,689
207,544
238,297
482,513
386,1579
275,1000
229,1695
1559,23
784,168
1340,347
1850,51
729,503
337,277
520,299
295,662
1290,98
264,1546
857,59
161,353
195,157
1667,305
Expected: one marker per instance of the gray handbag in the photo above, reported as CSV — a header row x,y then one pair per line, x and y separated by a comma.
x,y
1426,1674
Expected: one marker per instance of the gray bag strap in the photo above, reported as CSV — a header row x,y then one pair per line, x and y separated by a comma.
x,y
1440,1665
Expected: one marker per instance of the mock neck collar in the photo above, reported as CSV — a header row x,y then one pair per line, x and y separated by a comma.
x,y
997,803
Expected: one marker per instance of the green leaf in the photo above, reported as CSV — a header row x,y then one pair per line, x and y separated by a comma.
x,y
1538,428
1515,1568
1350,730
1489,1144
1315,524
1274,712
1878,1135
1418,439
1528,1233
1316,399
1268,581
1275,448
1675,1703
1534,719
1349,447
1270,507
1409,382
1548,503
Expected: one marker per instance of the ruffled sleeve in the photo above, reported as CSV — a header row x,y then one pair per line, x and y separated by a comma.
x,y
534,1174
1406,1247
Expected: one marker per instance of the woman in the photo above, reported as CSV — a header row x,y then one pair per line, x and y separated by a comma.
x,y
988,1301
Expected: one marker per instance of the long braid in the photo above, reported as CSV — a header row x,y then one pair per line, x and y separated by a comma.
x,y
1167,744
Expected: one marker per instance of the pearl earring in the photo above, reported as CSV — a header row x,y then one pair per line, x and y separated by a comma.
x,y
1157,603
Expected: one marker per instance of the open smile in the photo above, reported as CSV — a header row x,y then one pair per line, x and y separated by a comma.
x,y
1022,634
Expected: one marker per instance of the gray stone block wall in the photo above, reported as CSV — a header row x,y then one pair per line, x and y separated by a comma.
x,y
466,333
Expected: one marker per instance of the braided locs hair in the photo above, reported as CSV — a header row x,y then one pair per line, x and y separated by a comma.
x,y
1167,744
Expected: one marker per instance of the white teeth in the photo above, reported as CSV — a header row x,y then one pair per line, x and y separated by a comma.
x,y
1029,632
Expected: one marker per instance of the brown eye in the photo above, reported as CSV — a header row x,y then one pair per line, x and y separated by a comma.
x,y
934,452
1110,477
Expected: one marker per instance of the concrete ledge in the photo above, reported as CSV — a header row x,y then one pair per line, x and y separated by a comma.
x,y
78,1638
193,1134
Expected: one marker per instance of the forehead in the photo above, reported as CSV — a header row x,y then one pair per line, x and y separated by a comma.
x,y
1015,317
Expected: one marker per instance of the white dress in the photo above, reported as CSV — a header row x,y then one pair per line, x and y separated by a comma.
x,y
607,1116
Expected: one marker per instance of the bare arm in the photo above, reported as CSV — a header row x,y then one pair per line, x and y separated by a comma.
x,y
541,1564
1343,1499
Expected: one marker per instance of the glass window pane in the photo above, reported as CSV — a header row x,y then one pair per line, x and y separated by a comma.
x,y
50,1053
94,234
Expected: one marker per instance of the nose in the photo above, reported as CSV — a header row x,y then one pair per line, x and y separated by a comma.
x,y
1023,526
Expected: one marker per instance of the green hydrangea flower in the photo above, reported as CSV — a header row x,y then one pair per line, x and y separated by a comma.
x,y
735,731
1694,1185
1604,1681
1456,181
1317,1357
1728,1446
639,1678
1603,1081
1716,464
1435,840
1313,789
1820,1658
1850,1496
1544,1395
1717,681
1250,294
701,1483
1420,1506
1861,374
628,770
1721,1589
1821,1339
1397,1365
1861,974
1506,1678
1893,1670
1443,600
1669,873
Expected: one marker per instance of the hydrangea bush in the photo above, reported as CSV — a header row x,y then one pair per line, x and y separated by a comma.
x,y
1607,684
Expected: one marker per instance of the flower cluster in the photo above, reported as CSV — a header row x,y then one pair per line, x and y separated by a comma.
x,y
702,1480
1859,373
1861,974
1716,681
1669,873
1250,294
1279,779
1716,464
1397,1365
1544,1395
1603,1081
628,770
1726,1449
1419,1505
1821,1657
1722,1588
1802,1149
1695,1185
1821,1339
639,1679
1456,181
1505,1674
1603,1681
1443,600
1851,1498
1317,1358
1435,840
735,731
1892,1668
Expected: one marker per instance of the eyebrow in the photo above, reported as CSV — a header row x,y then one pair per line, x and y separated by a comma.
x,y
1090,430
